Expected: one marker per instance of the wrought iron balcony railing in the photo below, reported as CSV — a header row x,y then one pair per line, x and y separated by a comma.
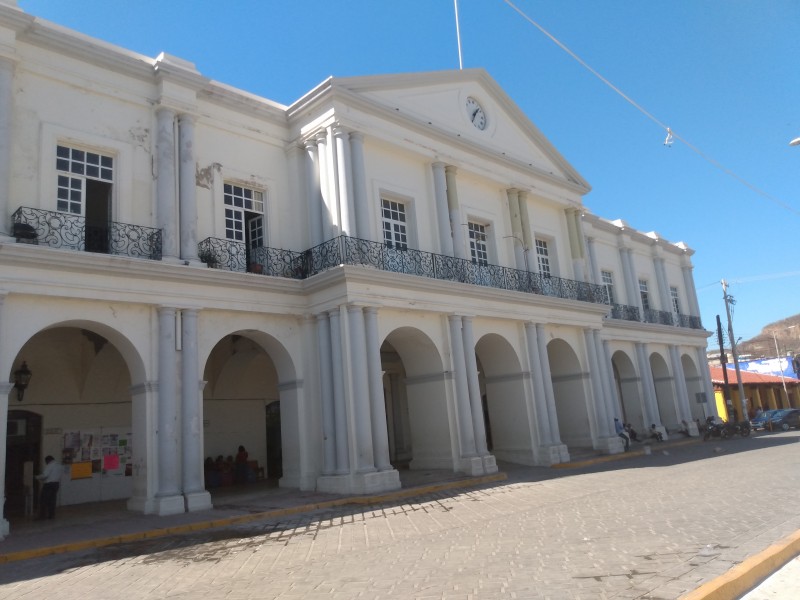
x,y
625,312
660,317
690,321
344,250
64,230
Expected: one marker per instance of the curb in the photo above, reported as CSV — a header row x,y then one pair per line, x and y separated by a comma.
x,y
621,456
249,518
749,573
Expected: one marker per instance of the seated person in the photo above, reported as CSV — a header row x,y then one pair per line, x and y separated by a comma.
x,y
655,433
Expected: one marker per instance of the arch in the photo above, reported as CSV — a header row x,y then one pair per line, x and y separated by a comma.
x,y
665,391
417,416
506,418
249,374
627,381
84,374
570,394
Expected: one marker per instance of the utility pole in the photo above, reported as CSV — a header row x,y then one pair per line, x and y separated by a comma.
x,y
723,360
728,301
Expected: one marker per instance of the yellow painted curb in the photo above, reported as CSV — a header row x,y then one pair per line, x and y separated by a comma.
x,y
240,519
622,455
746,575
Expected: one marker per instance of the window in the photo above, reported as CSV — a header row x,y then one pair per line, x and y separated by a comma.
x,y
80,175
83,188
676,303
645,294
608,285
477,244
543,257
242,207
395,234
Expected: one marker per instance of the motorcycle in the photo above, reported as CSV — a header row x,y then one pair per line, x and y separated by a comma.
x,y
725,429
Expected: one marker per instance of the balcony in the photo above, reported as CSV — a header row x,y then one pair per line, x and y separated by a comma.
x,y
344,250
71,232
625,312
660,317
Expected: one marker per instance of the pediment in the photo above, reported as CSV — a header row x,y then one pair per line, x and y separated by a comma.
x,y
440,101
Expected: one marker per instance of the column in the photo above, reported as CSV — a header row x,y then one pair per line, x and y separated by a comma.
x,y
329,230
691,293
167,426
663,286
473,386
316,205
631,282
681,391
705,378
520,249
598,391
339,401
537,381
365,461
166,192
575,231
442,214
326,395
547,380
6,120
525,223
465,428
380,434
614,401
360,197
594,270
188,187
651,411
192,416
459,239
5,390
342,140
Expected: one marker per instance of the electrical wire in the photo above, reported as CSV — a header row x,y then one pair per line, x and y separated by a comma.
x,y
669,131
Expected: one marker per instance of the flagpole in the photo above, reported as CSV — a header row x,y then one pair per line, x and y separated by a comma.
x,y
458,37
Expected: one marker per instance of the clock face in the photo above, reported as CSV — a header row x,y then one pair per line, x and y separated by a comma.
x,y
475,113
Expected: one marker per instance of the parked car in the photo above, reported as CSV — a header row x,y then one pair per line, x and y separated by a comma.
x,y
760,422
784,419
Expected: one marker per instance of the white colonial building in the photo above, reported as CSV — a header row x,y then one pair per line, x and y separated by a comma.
x,y
404,276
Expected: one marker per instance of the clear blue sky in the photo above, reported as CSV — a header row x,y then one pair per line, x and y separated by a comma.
x,y
723,74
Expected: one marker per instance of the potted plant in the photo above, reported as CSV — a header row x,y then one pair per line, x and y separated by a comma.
x,y
207,256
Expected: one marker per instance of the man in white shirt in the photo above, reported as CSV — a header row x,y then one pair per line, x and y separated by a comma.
x,y
51,478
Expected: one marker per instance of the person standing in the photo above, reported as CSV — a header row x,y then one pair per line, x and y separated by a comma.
x,y
51,478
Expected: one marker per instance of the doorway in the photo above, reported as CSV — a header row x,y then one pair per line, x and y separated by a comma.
x,y
23,449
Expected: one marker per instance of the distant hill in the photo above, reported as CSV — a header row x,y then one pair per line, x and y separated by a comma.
x,y
787,334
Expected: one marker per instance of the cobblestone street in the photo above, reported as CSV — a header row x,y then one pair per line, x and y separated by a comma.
x,y
645,527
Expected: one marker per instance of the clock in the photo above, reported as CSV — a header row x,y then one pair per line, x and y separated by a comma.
x,y
475,113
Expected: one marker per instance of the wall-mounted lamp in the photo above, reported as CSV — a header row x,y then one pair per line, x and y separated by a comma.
x,y
22,377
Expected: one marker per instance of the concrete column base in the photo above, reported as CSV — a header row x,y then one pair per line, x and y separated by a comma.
x,y
471,465
360,483
198,501
610,445
547,456
141,504
489,464
168,505
5,528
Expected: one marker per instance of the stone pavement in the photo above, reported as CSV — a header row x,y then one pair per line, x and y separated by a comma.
x,y
655,526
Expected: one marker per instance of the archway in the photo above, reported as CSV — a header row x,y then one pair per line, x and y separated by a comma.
x,y
246,402
416,407
78,408
570,395
508,427
665,391
627,382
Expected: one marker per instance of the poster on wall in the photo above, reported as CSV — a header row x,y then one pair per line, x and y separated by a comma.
x,y
104,452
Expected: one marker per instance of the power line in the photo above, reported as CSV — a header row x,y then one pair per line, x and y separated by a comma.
x,y
669,131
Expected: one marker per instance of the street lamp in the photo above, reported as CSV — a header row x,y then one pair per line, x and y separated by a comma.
x,y
22,377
